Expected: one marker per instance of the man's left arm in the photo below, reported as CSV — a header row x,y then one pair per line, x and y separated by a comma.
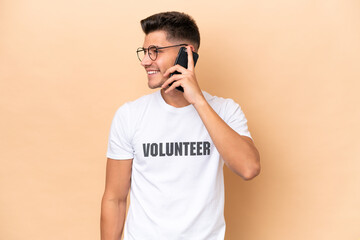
x,y
238,152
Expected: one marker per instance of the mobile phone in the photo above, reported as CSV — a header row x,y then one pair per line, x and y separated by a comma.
x,y
182,60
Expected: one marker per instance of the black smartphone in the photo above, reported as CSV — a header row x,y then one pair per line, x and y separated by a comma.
x,y
182,60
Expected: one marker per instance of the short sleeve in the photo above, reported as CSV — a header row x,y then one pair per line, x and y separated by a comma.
x,y
236,119
119,144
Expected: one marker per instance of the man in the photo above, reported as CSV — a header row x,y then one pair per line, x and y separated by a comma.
x,y
169,147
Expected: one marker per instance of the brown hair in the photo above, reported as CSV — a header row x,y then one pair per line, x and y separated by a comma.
x,y
178,26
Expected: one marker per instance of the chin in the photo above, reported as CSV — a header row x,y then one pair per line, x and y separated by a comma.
x,y
153,85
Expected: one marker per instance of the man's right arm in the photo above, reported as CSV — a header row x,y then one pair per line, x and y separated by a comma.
x,y
113,205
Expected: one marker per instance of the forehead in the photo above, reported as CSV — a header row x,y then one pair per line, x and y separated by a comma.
x,y
157,38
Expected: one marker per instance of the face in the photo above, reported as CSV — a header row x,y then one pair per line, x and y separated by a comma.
x,y
165,59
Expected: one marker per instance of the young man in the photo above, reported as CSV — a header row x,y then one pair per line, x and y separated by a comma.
x,y
169,147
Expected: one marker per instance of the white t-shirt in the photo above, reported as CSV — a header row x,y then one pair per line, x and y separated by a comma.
x,y
177,185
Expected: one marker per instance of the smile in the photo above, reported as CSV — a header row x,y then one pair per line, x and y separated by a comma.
x,y
152,72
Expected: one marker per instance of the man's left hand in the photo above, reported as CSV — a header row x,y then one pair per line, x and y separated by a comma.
x,y
186,79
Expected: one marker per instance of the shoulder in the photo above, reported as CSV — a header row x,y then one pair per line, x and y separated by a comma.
x,y
138,103
132,110
143,100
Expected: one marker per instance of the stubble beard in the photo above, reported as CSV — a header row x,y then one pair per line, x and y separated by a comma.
x,y
156,85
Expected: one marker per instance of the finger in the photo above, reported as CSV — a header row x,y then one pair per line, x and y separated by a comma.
x,y
173,86
190,59
174,78
173,69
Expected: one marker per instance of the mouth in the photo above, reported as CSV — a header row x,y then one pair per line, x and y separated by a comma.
x,y
152,72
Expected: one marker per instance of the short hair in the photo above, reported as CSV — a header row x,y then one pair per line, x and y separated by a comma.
x,y
178,26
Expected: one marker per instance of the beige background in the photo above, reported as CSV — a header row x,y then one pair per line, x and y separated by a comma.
x,y
293,66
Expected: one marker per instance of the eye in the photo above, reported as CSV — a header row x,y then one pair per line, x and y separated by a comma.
x,y
153,50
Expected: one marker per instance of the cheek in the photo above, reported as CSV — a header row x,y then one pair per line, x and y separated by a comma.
x,y
165,62
165,66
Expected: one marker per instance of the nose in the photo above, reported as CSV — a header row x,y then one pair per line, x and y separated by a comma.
x,y
146,61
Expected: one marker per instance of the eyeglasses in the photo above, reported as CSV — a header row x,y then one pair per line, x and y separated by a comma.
x,y
152,51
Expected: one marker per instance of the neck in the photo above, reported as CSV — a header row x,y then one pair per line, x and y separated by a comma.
x,y
174,98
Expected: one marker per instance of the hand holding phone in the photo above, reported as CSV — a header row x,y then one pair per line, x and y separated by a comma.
x,y
182,60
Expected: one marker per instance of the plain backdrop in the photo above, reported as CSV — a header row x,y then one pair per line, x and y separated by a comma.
x,y
293,66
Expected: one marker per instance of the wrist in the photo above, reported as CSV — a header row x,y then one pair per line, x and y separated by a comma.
x,y
200,102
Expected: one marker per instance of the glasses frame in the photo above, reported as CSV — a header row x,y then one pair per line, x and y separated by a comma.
x,y
142,49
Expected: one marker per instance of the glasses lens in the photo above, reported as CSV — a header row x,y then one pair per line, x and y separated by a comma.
x,y
153,51
140,53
